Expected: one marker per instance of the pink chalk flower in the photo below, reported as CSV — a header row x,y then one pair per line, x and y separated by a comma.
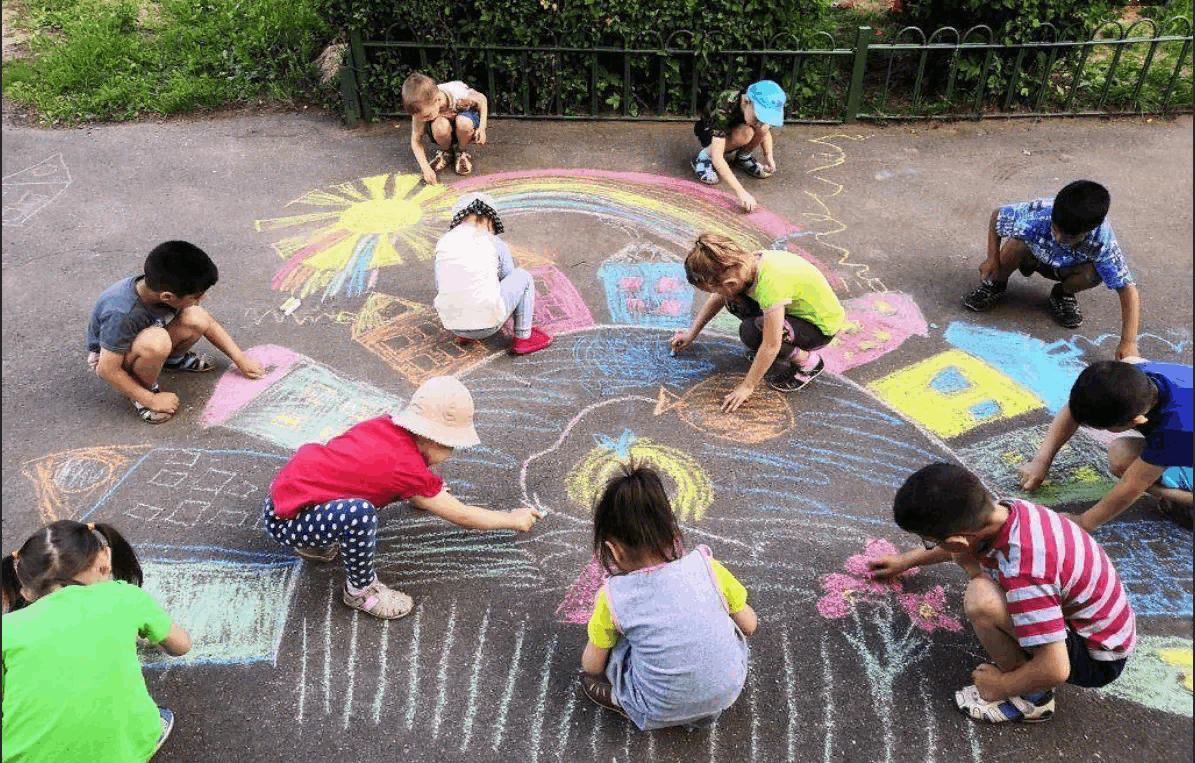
x,y
876,548
927,610
842,592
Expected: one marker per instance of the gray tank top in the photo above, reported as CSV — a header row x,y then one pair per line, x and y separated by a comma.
x,y
680,660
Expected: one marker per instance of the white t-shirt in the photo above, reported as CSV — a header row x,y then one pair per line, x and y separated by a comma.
x,y
456,91
469,296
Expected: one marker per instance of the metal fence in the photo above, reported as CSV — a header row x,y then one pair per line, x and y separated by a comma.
x,y
1142,68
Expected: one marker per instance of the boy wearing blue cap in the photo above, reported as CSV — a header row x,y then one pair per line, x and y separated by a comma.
x,y
733,124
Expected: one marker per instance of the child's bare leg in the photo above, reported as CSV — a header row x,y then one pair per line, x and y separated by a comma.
x,y
1012,253
1079,278
464,130
741,137
1121,455
987,610
145,357
187,328
442,133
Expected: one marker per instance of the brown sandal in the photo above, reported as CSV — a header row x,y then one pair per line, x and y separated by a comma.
x,y
463,165
439,161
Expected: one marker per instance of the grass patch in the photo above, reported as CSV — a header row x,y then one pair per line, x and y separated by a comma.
x,y
95,60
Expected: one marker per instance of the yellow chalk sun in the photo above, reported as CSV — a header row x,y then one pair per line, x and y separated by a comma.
x,y
371,223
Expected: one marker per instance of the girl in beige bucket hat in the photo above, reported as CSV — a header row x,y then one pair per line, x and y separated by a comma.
x,y
324,501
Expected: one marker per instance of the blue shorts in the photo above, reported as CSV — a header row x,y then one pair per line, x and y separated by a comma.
x,y
1180,477
1087,671
474,117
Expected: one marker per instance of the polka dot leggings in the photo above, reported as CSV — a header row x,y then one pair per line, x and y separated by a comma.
x,y
351,522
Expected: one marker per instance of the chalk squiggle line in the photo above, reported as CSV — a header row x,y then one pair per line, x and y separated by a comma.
x,y
1099,340
257,316
837,158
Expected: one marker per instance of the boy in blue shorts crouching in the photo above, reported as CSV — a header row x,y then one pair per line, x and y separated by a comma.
x,y
733,124
1152,398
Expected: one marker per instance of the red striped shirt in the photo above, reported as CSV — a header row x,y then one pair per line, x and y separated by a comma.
x,y
1054,576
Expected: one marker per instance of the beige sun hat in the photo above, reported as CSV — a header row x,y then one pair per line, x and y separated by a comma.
x,y
441,410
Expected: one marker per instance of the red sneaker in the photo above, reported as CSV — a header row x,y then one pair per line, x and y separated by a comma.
x,y
534,343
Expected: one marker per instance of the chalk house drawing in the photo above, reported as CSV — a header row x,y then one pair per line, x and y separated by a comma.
x,y
646,286
1079,471
1158,675
68,483
296,402
34,188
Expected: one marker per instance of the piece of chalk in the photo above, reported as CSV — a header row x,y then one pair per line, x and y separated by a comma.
x,y
290,305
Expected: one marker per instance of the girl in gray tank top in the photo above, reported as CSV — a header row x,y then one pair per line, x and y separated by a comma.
x,y
667,643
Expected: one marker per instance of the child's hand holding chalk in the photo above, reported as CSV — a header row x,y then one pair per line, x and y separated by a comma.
x,y
680,340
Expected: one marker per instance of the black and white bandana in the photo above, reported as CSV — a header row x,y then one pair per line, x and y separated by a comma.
x,y
480,208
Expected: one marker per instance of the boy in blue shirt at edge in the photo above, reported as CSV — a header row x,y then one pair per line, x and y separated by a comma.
x,y
142,324
1066,239
1152,398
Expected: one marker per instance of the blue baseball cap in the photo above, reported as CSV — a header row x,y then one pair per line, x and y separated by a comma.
x,y
768,99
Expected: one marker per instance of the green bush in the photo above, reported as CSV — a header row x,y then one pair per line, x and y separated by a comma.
x,y
551,82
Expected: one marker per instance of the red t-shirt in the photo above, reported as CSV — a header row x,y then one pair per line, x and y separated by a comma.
x,y
376,460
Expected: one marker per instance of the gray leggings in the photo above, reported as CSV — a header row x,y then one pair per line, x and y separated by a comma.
x,y
518,289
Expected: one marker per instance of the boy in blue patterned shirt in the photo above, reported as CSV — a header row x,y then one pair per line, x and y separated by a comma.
x,y
1066,239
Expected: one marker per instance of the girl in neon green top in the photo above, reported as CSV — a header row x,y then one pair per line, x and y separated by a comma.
x,y
786,307
73,689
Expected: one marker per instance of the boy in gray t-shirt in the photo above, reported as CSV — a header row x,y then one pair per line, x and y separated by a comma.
x,y
143,324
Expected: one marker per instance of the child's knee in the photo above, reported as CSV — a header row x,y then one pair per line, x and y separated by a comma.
x,y
983,601
1122,453
441,129
464,126
153,342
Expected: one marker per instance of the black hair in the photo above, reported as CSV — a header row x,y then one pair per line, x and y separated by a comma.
x,y
1080,207
634,510
181,268
940,500
58,552
1111,393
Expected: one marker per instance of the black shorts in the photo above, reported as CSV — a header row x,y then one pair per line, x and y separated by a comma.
x,y
798,332
1086,671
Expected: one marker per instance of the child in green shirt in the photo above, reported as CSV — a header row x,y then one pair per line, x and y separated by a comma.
x,y
786,307
72,680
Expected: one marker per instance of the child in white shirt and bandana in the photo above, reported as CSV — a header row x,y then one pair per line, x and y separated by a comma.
x,y
478,286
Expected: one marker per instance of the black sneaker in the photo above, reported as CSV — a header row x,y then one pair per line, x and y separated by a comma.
x,y
1065,308
795,378
984,296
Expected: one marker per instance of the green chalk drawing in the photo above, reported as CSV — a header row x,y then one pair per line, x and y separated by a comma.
x,y
1157,675
1079,472
235,612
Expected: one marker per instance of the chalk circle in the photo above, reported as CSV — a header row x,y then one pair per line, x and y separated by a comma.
x,y
686,482
78,474
764,416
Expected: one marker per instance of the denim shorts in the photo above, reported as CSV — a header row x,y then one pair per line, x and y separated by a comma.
x,y
474,117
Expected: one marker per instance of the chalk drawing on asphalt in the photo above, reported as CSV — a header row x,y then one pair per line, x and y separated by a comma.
x,y
234,610
1079,471
34,188
1153,559
953,392
1158,674
67,483
687,483
296,402
765,415
646,286
408,337
876,324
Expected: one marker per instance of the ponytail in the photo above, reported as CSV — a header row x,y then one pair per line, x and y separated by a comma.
x,y
10,585
125,565
58,552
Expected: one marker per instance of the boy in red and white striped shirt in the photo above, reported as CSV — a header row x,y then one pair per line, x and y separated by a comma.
x,y
1043,597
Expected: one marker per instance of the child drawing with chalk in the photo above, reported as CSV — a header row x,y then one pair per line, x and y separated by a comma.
x,y
785,306
1043,597
324,502
73,688
450,115
667,638
478,286
145,324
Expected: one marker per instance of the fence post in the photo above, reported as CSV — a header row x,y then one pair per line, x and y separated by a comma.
x,y
358,58
855,95
348,95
